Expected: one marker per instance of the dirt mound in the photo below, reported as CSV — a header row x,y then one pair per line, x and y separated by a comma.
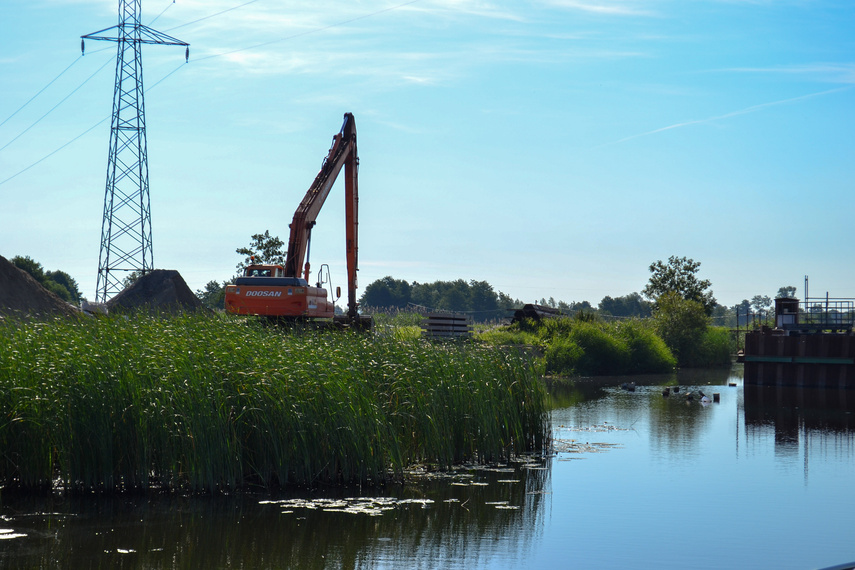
x,y
23,296
161,290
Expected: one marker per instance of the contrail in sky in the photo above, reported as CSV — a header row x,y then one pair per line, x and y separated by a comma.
x,y
731,114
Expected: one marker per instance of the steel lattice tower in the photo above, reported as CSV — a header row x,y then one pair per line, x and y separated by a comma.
x,y
126,225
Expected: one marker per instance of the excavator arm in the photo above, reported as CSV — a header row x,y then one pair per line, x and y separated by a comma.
x,y
342,153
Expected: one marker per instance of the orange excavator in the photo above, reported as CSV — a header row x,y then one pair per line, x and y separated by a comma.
x,y
283,292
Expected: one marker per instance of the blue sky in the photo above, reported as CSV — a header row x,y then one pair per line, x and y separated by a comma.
x,y
554,148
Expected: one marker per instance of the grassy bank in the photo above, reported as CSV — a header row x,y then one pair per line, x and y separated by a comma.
x,y
589,347
204,404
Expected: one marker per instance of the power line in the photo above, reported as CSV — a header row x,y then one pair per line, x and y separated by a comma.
x,y
316,30
41,90
54,152
210,16
55,106
42,159
307,32
168,6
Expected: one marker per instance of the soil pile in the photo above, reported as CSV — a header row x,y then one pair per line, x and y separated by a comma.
x,y
23,296
161,290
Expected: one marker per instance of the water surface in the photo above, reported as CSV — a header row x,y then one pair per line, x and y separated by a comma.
x,y
765,478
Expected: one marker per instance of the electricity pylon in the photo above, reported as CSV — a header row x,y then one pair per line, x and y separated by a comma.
x,y
126,225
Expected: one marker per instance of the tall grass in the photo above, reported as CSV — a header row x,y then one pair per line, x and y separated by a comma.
x,y
202,403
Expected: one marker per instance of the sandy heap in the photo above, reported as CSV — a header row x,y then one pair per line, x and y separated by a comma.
x,y
160,290
23,296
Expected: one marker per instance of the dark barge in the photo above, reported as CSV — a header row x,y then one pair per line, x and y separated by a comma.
x,y
812,345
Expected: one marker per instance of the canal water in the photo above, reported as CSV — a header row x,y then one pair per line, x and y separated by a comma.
x,y
763,478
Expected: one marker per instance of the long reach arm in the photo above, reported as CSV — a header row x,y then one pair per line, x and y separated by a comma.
x,y
342,154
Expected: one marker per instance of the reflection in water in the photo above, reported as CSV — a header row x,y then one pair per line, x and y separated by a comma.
x,y
673,421
454,520
803,421
638,480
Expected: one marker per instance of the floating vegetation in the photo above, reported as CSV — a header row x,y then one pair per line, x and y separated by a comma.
x,y
574,446
371,506
208,404
605,426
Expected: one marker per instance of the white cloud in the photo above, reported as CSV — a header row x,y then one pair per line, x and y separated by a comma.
x,y
605,7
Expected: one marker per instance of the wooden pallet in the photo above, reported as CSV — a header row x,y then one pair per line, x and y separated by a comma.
x,y
448,325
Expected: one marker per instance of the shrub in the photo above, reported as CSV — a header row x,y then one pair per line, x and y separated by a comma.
x,y
713,350
562,356
648,353
508,336
602,353
681,324
554,327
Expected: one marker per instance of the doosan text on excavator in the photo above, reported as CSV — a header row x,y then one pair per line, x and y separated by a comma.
x,y
283,292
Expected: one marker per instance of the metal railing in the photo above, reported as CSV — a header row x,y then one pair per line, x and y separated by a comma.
x,y
814,314
827,313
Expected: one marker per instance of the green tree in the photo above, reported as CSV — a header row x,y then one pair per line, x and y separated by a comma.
x,y
483,300
679,275
681,323
761,303
67,282
58,282
386,292
132,278
265,248
631,305
213,295
453,296
741,311
31,266
506,303
577,306
787,291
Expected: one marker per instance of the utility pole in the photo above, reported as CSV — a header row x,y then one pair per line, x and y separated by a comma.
x,y
126,225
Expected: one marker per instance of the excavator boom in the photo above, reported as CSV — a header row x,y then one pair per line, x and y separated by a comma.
x,y
342,153
284,291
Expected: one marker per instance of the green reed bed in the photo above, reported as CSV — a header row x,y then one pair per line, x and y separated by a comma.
x,y
204,403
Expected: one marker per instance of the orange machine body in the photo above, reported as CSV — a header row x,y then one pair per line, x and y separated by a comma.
x,y
264,290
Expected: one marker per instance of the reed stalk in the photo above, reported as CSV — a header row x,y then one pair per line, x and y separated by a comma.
x,y
208,404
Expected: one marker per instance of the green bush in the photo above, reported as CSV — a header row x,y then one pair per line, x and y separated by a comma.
x,y
562,356
603,353
648,353
508,336
713,350
555,327
681,324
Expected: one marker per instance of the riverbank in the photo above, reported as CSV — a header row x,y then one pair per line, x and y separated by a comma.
x,y
208,404
587,346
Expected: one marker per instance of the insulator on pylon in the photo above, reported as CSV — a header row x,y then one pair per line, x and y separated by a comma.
x,y
187,55
82,46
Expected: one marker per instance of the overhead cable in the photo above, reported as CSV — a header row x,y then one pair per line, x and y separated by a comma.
x,y
81,134
57,105
307,32
40,91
